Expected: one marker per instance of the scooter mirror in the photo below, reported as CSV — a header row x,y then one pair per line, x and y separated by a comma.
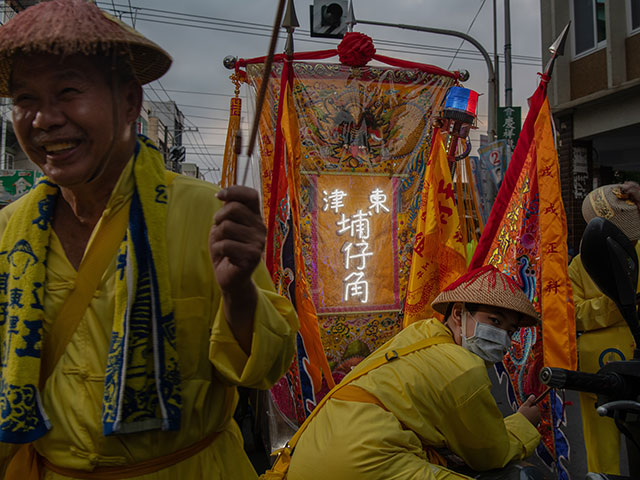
x,y
611,261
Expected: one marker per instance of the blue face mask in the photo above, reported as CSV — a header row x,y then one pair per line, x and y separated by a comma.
x,y
488,342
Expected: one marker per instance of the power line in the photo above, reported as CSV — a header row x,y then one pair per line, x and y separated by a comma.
x,y
200,93
193,15
198,150
210,118
235,26
205,127
468,30
206,145
472,56
182,105
208,156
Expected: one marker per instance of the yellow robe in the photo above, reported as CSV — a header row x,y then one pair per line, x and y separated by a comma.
x,y
440,394
212,363
604,333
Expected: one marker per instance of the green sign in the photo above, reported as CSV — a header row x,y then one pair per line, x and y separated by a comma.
x,y
15,183
509,121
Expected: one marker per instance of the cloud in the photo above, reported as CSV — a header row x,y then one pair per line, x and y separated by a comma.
x,y
198,52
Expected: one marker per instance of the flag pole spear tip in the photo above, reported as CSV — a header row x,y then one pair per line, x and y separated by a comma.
x,y
290,23
351,18
290,20
557,49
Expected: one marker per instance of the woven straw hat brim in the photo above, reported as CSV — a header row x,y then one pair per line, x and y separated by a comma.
x,y
604,202
477,292
71,27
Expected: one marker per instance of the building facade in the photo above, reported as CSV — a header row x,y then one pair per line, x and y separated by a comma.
x,y
191,170
11,155
595,96
165,126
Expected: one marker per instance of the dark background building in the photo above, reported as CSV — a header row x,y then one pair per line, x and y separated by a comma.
x,y
594,96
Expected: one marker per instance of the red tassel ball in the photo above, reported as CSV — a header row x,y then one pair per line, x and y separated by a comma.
x,y
356,49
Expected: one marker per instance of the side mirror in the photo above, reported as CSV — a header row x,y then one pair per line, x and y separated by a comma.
x,y
611,261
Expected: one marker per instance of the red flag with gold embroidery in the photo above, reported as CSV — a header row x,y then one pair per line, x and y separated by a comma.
x,y
536,254
526,238
438,251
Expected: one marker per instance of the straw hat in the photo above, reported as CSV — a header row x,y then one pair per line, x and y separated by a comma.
x,y
488,286
70,27
611,203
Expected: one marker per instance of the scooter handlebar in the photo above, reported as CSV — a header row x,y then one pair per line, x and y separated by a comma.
x,y
605,383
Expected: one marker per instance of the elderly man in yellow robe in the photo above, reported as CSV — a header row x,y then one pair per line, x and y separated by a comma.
x,y
133,300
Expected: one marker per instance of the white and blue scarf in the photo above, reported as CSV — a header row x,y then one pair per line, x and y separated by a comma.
x,y
142,379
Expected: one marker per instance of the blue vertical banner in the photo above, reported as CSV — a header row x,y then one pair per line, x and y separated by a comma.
x,y
494,157
481,187
488,170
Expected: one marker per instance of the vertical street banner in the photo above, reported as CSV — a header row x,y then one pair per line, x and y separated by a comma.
x,y
494,160
580,159
15,183
486,188
354,144
525,237
509,121
488,171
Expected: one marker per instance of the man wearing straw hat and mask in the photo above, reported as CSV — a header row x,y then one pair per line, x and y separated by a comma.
x,y
133,300
603,334
425,390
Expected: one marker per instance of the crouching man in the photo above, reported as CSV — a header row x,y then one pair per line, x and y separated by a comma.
x,y
427,389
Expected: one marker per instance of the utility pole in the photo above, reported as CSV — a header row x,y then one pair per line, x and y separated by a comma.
x,y
496,64
3,141
3,112
508,91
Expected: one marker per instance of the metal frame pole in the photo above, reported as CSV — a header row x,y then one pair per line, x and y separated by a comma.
x,y
496,66
3,111
3,140
492,94
508,91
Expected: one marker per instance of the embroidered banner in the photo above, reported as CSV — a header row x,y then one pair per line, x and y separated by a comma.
x,y
352,123
525,237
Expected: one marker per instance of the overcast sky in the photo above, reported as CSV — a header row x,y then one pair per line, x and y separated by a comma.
x,y
200,33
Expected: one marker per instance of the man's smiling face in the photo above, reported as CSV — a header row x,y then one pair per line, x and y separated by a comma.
x,y
67,117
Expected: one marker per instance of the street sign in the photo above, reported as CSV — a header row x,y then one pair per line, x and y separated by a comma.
x,y
178,153
329,18
509,122
15,183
